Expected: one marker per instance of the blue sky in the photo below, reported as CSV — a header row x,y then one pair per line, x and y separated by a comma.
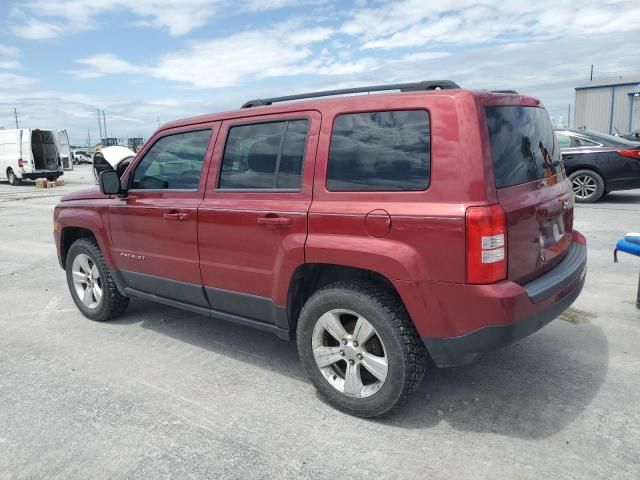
x,y
142,59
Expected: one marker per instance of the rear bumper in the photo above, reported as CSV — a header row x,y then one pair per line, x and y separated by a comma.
x,y
42,174
502,313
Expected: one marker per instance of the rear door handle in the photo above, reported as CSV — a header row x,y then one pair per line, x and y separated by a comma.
x,y
175,216
274,221
171,216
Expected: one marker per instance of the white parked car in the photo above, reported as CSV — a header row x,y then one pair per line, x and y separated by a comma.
x,y
81,156
29,154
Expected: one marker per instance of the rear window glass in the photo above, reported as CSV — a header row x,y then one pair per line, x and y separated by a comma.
x,y
523,145
381,151
610,140
265,156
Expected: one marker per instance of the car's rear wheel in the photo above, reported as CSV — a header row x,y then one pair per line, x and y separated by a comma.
x,y
359,347
11,176
91,283
587,186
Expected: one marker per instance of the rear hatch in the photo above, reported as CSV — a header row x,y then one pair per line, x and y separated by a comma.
x,y
45,150
532,189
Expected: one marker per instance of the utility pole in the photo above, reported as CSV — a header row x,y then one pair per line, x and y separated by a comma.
x,y
104,120
100,125
569,117
88,138
15,113
591,76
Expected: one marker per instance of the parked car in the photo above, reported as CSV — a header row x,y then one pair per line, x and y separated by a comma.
x,y
598,163
29,154
81,156
378,231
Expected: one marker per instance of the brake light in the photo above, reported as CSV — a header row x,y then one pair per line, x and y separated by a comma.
x,y
486,244
631,153
20,163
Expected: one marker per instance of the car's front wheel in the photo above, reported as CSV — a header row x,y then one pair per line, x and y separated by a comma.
x,y
91,283
587,186
359,347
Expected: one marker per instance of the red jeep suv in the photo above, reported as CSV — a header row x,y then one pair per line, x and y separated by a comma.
x,y
382,232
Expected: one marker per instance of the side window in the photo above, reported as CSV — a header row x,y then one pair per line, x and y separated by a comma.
x,y
583,142
564,141
383,151
173,162
264,156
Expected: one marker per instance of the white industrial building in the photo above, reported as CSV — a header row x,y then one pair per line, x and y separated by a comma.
x,y
609,106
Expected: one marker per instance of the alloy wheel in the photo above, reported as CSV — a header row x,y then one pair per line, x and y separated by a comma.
x,y
349,353
87,281
584,186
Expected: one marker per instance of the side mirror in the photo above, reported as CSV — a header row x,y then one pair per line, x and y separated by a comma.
x,y
109,183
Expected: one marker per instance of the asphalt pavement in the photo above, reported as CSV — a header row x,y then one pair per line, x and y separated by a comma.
x,y
162,393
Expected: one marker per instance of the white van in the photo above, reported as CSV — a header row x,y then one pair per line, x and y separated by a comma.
x,y
29,154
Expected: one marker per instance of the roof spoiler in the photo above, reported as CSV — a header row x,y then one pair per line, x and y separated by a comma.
x,y
403,87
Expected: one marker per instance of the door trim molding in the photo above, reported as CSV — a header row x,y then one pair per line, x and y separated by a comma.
x,y
189,293
236,307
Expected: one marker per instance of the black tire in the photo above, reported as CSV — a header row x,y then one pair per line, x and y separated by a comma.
x,y
13,180
384,310
593,178
113,303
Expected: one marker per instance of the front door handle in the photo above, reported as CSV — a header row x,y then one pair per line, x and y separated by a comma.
x,y
275,221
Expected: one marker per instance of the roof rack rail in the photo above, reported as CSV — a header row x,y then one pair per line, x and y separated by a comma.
x,y
503,91
403,87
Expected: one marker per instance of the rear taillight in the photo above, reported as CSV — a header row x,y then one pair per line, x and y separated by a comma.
x,y
631,153
486,244
20,163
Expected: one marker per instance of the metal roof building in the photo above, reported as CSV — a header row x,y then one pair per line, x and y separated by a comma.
x,y
607,105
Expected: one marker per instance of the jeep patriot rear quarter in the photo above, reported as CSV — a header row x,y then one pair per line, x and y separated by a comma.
x,y
377,230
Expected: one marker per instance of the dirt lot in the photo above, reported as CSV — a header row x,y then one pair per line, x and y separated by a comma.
x,y
164,393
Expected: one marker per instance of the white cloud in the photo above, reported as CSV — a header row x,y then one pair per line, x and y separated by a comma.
x,y
414,23
42,19
103,64
8,57
11,81
227,61
423,56
34,29
177,16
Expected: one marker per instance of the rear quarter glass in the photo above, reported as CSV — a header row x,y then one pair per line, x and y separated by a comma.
x,y
523,145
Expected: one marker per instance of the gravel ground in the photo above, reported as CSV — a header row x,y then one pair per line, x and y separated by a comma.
x,y
164,393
